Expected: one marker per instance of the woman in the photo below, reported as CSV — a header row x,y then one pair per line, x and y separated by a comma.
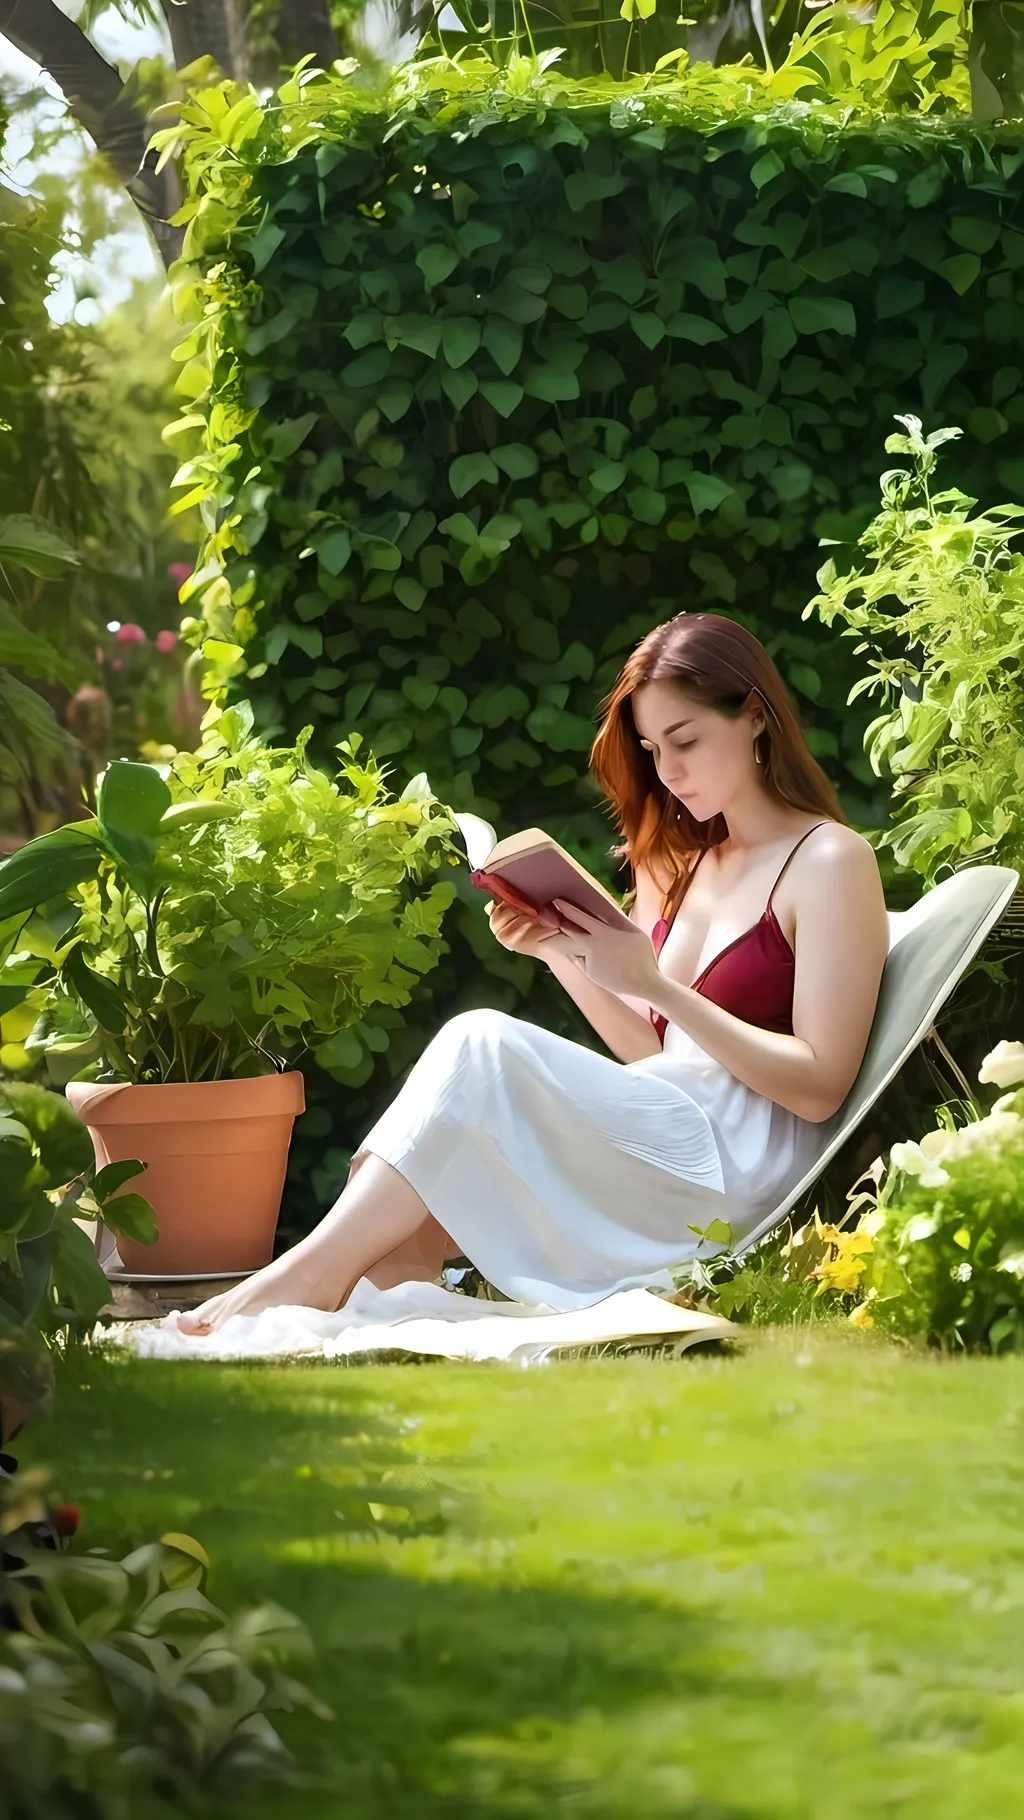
x,y
739,1008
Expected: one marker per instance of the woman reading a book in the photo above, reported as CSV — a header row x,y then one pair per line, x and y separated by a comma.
x,y
737,1000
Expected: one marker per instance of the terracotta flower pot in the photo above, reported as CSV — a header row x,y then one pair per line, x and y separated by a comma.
x,y
217,1153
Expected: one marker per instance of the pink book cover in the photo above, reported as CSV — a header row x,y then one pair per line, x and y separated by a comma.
x,y
532,881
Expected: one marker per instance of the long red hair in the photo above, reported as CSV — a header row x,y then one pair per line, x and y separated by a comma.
x,y
718,663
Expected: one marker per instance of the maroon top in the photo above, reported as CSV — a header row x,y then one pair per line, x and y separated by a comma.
x,y
753,976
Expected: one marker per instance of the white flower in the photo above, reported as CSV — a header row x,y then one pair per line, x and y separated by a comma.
x,y
922,1226
1014,1264
914,1159
986,1134
1004,1065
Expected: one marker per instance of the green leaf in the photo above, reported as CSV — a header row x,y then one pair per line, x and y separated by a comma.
x,y
96,992
78,1279
698,329
437,262
46,867
647,505
647,327
504,343
706,491
607,477
986,424
766,167
114,1175
961,271
846,183
460,338
130,1216
26,543
503,394
334,550
467,471
132,798
554,385
410,592
516,459
584,187
818,315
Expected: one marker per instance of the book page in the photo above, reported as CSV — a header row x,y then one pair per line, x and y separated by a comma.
x,y
478,838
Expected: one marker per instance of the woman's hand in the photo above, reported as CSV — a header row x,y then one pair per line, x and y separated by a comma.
x,y
518,931
621,960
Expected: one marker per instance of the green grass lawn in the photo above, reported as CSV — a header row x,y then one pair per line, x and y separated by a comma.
x,y
789,1583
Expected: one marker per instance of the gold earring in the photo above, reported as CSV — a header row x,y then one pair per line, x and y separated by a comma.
x,y
757,756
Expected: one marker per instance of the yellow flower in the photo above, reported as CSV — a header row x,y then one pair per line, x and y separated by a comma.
x,y
861,1317
841,1275
842,1272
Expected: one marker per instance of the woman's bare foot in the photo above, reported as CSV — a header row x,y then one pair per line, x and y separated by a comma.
x,y
378,1219
287,1282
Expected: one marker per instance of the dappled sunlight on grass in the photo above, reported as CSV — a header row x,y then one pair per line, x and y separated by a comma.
x,y
789,1583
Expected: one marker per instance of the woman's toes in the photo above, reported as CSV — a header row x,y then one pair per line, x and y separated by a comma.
x,y
194,1322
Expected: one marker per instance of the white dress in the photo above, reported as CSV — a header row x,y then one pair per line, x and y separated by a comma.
x,y
565,1176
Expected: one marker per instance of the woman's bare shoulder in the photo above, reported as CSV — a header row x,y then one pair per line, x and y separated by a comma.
x,y
835,874
835,845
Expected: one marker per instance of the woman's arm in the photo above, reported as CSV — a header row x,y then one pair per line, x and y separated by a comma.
x,y
629,1034
841,945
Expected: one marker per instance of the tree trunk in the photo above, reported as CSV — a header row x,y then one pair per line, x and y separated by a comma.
x,y
102,104
209,28
301,26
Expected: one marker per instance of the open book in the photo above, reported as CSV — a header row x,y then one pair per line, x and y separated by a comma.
x,y
529,870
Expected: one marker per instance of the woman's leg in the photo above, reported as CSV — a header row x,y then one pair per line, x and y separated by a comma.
x,y
376,1216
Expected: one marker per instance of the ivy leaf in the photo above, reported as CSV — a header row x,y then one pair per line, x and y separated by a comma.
x,y
649,328
504,395
584,187
468,471
698,329
961,271
817,315
437,262
706,491
334,550
607,477
516,459
504,343
552,384
460,338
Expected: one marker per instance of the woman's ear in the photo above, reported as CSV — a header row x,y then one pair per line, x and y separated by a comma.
x,y
754,708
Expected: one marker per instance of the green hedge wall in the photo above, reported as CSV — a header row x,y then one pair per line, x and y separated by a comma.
x,y
488,384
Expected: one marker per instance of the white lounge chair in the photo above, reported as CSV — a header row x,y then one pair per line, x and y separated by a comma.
x,y
930,949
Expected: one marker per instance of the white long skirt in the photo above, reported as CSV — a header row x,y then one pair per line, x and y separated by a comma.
x,y
565,1176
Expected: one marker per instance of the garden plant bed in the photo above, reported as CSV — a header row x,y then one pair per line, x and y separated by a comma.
x,y
785,1583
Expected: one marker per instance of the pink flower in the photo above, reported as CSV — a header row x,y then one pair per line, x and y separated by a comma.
x,y
179,572
130,634
117,664
166,641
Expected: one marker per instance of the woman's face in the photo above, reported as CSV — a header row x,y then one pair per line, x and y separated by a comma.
x,y
701,756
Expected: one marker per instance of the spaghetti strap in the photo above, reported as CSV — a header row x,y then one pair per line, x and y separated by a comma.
x,y
799,844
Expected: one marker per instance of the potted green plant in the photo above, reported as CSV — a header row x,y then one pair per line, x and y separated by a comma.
x,y
191,941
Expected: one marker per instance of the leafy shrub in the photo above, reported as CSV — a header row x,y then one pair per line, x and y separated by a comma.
x,y
485,375
939,604
217,922
936,1254
945,1226
124,1680
51,1284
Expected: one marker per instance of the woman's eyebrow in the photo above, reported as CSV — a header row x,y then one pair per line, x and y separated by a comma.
x,y
671,729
